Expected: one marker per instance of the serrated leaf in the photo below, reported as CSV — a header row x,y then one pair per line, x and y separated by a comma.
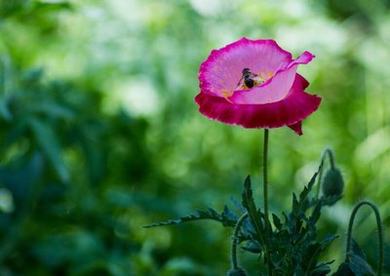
x,y
312,180
247,195
210,214
321,269
277,222
357,250
328,240
306,190
304,201
313,253
295,204
252,246
303,194
297,249
228,215
315,214
359,266
249,204
355,264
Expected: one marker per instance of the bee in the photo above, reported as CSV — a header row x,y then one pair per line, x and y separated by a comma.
x,y
248,79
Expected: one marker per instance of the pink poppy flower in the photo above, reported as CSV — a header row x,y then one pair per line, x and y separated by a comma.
x,y
255,84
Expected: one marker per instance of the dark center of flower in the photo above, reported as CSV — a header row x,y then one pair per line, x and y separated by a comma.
x,y
249,80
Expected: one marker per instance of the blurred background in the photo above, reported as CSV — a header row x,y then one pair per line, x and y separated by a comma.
x,y
100,134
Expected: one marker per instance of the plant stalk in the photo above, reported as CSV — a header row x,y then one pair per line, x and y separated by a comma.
x,y
235,240
265,194
265,173
380,232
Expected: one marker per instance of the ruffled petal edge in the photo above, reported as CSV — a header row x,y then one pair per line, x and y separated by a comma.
x,y
217,53
288,112
275,88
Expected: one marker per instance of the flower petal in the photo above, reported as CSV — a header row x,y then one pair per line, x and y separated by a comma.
x,y
297,127
287,112
276,88
222,70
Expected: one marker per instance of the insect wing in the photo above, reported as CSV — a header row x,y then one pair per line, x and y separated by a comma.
x,y
257,79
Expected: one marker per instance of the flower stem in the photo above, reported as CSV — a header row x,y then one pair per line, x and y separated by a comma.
x,y
235,240
265,173
265,194
379,227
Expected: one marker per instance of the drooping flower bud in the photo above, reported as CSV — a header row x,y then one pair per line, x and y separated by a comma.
x,y
236,272
333,183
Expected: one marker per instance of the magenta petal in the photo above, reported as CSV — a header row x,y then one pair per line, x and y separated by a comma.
x,y
305,58
297,127
276,88
222,70
289,111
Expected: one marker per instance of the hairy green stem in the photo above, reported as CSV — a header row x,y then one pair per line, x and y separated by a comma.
x,y
380,232
329,153
265,173
265,194
235,240
330,156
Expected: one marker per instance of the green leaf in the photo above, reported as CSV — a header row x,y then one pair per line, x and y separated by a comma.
x,y
228,215
236,272
316,214
328,240
355,264
359,266
321,269
295,248
249,204
295,205
277,222
306,190
253,246
312,180
344,270
48,142
211,214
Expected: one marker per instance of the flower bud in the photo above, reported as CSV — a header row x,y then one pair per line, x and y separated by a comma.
x,y
236,272
333,183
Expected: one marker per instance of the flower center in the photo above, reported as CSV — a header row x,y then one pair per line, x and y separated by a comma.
x,y
249,80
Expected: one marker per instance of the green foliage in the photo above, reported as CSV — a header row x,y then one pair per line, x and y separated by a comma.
x,y
227,218
99,133
47,128
255,215
293,243
294,247
236,272
355,264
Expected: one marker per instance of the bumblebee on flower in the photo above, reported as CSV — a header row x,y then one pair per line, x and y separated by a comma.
x,y
254,84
